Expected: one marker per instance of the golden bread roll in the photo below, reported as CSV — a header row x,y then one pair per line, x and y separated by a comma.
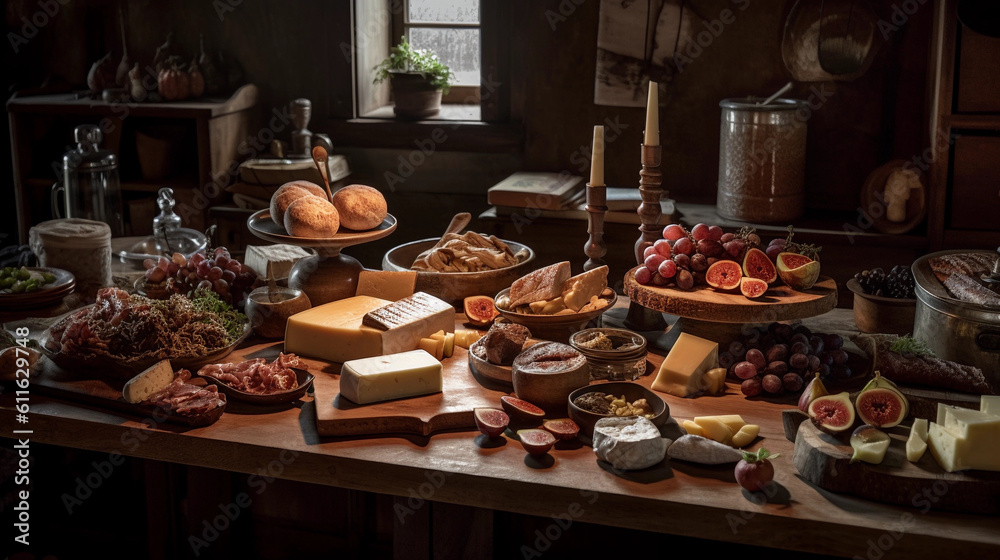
x,y
312,217
361,207
287,193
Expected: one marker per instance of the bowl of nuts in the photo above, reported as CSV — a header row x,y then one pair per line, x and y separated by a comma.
x,y
589,404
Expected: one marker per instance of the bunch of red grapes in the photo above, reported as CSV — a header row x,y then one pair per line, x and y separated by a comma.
x,y
682,257
220,273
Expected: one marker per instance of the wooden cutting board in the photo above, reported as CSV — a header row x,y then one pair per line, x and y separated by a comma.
x,y
779,303
824,460
449,409
106,393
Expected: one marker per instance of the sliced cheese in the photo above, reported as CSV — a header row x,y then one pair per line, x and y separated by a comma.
x,y
971,424
692,428
714,381
681,373
715,429
273,261
392,285
990,404
974,449
944,446
916,443
393,376
449,345
466,337
745,436
578,290
334,331
734,421
151,380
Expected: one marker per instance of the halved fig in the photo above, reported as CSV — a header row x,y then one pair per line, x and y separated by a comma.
x,y
752,288
522,412
756,264
882,408
832,413
562,428
491,421
724,275
480,310
879,382
536,441
798,271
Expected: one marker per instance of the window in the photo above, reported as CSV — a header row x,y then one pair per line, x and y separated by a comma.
x,y
449,28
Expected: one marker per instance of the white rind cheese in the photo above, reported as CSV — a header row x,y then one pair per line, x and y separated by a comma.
x,y
629,443
395,376
699,449
273,261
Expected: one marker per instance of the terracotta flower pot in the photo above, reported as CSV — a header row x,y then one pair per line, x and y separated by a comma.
x,y
415,97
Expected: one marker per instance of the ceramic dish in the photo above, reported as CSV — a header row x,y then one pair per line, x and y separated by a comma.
x,y
454,287
557,328
302,377
632,392
51,294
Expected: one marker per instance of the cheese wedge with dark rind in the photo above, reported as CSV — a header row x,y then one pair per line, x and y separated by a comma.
x,y
150,381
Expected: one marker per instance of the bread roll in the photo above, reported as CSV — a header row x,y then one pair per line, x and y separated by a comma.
x,y
287,193
361,207
311,217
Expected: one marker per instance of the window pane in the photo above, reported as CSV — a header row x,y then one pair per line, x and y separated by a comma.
x,y
458,48
447,11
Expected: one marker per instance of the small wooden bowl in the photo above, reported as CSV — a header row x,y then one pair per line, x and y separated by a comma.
x,y
558,328
878,314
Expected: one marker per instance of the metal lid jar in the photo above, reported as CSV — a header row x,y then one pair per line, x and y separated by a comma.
x,y
762,153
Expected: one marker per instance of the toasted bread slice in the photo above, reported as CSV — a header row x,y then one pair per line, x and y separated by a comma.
x,y
543,284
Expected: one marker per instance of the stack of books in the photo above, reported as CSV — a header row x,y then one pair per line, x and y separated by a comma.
x,y
559,195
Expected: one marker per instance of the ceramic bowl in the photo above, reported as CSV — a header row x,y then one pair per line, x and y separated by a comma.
x,y
454,287
632,392
877,314
558,328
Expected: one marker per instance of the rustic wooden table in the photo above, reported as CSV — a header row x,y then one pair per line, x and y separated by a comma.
x,y
456,467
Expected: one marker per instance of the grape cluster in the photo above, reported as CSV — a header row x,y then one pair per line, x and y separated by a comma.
x,y
220,273
681,257
779,359
898,283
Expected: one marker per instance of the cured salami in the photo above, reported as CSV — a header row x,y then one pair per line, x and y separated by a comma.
x,y
921,369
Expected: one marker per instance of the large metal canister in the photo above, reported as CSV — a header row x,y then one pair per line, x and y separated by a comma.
x,y
962,332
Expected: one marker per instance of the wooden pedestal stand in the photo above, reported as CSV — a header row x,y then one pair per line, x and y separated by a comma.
x,y
597,205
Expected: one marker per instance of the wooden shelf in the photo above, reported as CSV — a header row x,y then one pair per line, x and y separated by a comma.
x,y
75,104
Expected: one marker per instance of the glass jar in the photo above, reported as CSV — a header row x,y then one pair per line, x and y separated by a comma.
x,y
762,155
81,247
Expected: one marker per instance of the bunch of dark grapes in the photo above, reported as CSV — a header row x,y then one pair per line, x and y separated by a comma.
x,y
898,283
216,271
681,258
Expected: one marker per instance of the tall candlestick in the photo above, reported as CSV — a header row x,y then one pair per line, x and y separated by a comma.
x,y
652,116
597,159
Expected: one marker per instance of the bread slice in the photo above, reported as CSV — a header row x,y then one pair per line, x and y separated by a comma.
x,y
543,284
579,289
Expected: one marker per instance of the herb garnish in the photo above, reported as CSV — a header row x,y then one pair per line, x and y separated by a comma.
x,y
232,320
908,346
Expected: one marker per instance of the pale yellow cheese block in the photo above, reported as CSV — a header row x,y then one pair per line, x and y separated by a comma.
x,y
578,290
990,404
916,442
394,376
333,331
392,285
682,371
734,421
151,380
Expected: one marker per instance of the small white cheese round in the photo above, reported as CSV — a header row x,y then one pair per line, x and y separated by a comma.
x,y
629,443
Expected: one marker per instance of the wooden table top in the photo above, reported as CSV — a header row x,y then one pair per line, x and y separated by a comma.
x,y
459,467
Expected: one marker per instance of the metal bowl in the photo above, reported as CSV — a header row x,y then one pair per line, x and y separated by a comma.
x,y
454,287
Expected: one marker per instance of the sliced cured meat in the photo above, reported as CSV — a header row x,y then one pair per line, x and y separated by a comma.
x,y
256,376
968,289
969,264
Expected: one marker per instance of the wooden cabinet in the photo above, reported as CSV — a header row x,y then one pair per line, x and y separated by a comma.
x,y
964,172
190,146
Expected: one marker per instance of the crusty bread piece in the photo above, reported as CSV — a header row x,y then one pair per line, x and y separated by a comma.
x,y
360,207
543,284
312,217
288,193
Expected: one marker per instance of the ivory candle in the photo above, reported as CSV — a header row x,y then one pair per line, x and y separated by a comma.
x,y
652,116
597,158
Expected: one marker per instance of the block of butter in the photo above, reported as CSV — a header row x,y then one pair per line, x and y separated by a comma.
x,y
334,331
683,370
394,376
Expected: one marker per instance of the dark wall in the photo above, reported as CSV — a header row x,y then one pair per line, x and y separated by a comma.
x,y
291,49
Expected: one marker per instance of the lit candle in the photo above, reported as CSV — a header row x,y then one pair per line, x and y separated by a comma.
x,y
652,117
597,158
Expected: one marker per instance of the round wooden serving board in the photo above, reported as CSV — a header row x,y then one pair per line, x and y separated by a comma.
x,y
825,461
704,303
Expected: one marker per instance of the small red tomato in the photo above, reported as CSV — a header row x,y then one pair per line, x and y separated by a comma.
x,y
755,471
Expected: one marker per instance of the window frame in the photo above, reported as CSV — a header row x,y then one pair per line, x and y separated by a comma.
x,y
466,95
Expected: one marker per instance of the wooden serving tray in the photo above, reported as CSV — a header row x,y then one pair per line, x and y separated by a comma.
x,y
449,409
704,303
824,460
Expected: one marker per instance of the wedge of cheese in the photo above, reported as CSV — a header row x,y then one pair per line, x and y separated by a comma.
x,y
965,439
392,285
151,380
334,331
394,376
274,261
683,370
990,404
630,443
578,290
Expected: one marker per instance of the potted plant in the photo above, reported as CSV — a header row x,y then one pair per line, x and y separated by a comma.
x,y
418,80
